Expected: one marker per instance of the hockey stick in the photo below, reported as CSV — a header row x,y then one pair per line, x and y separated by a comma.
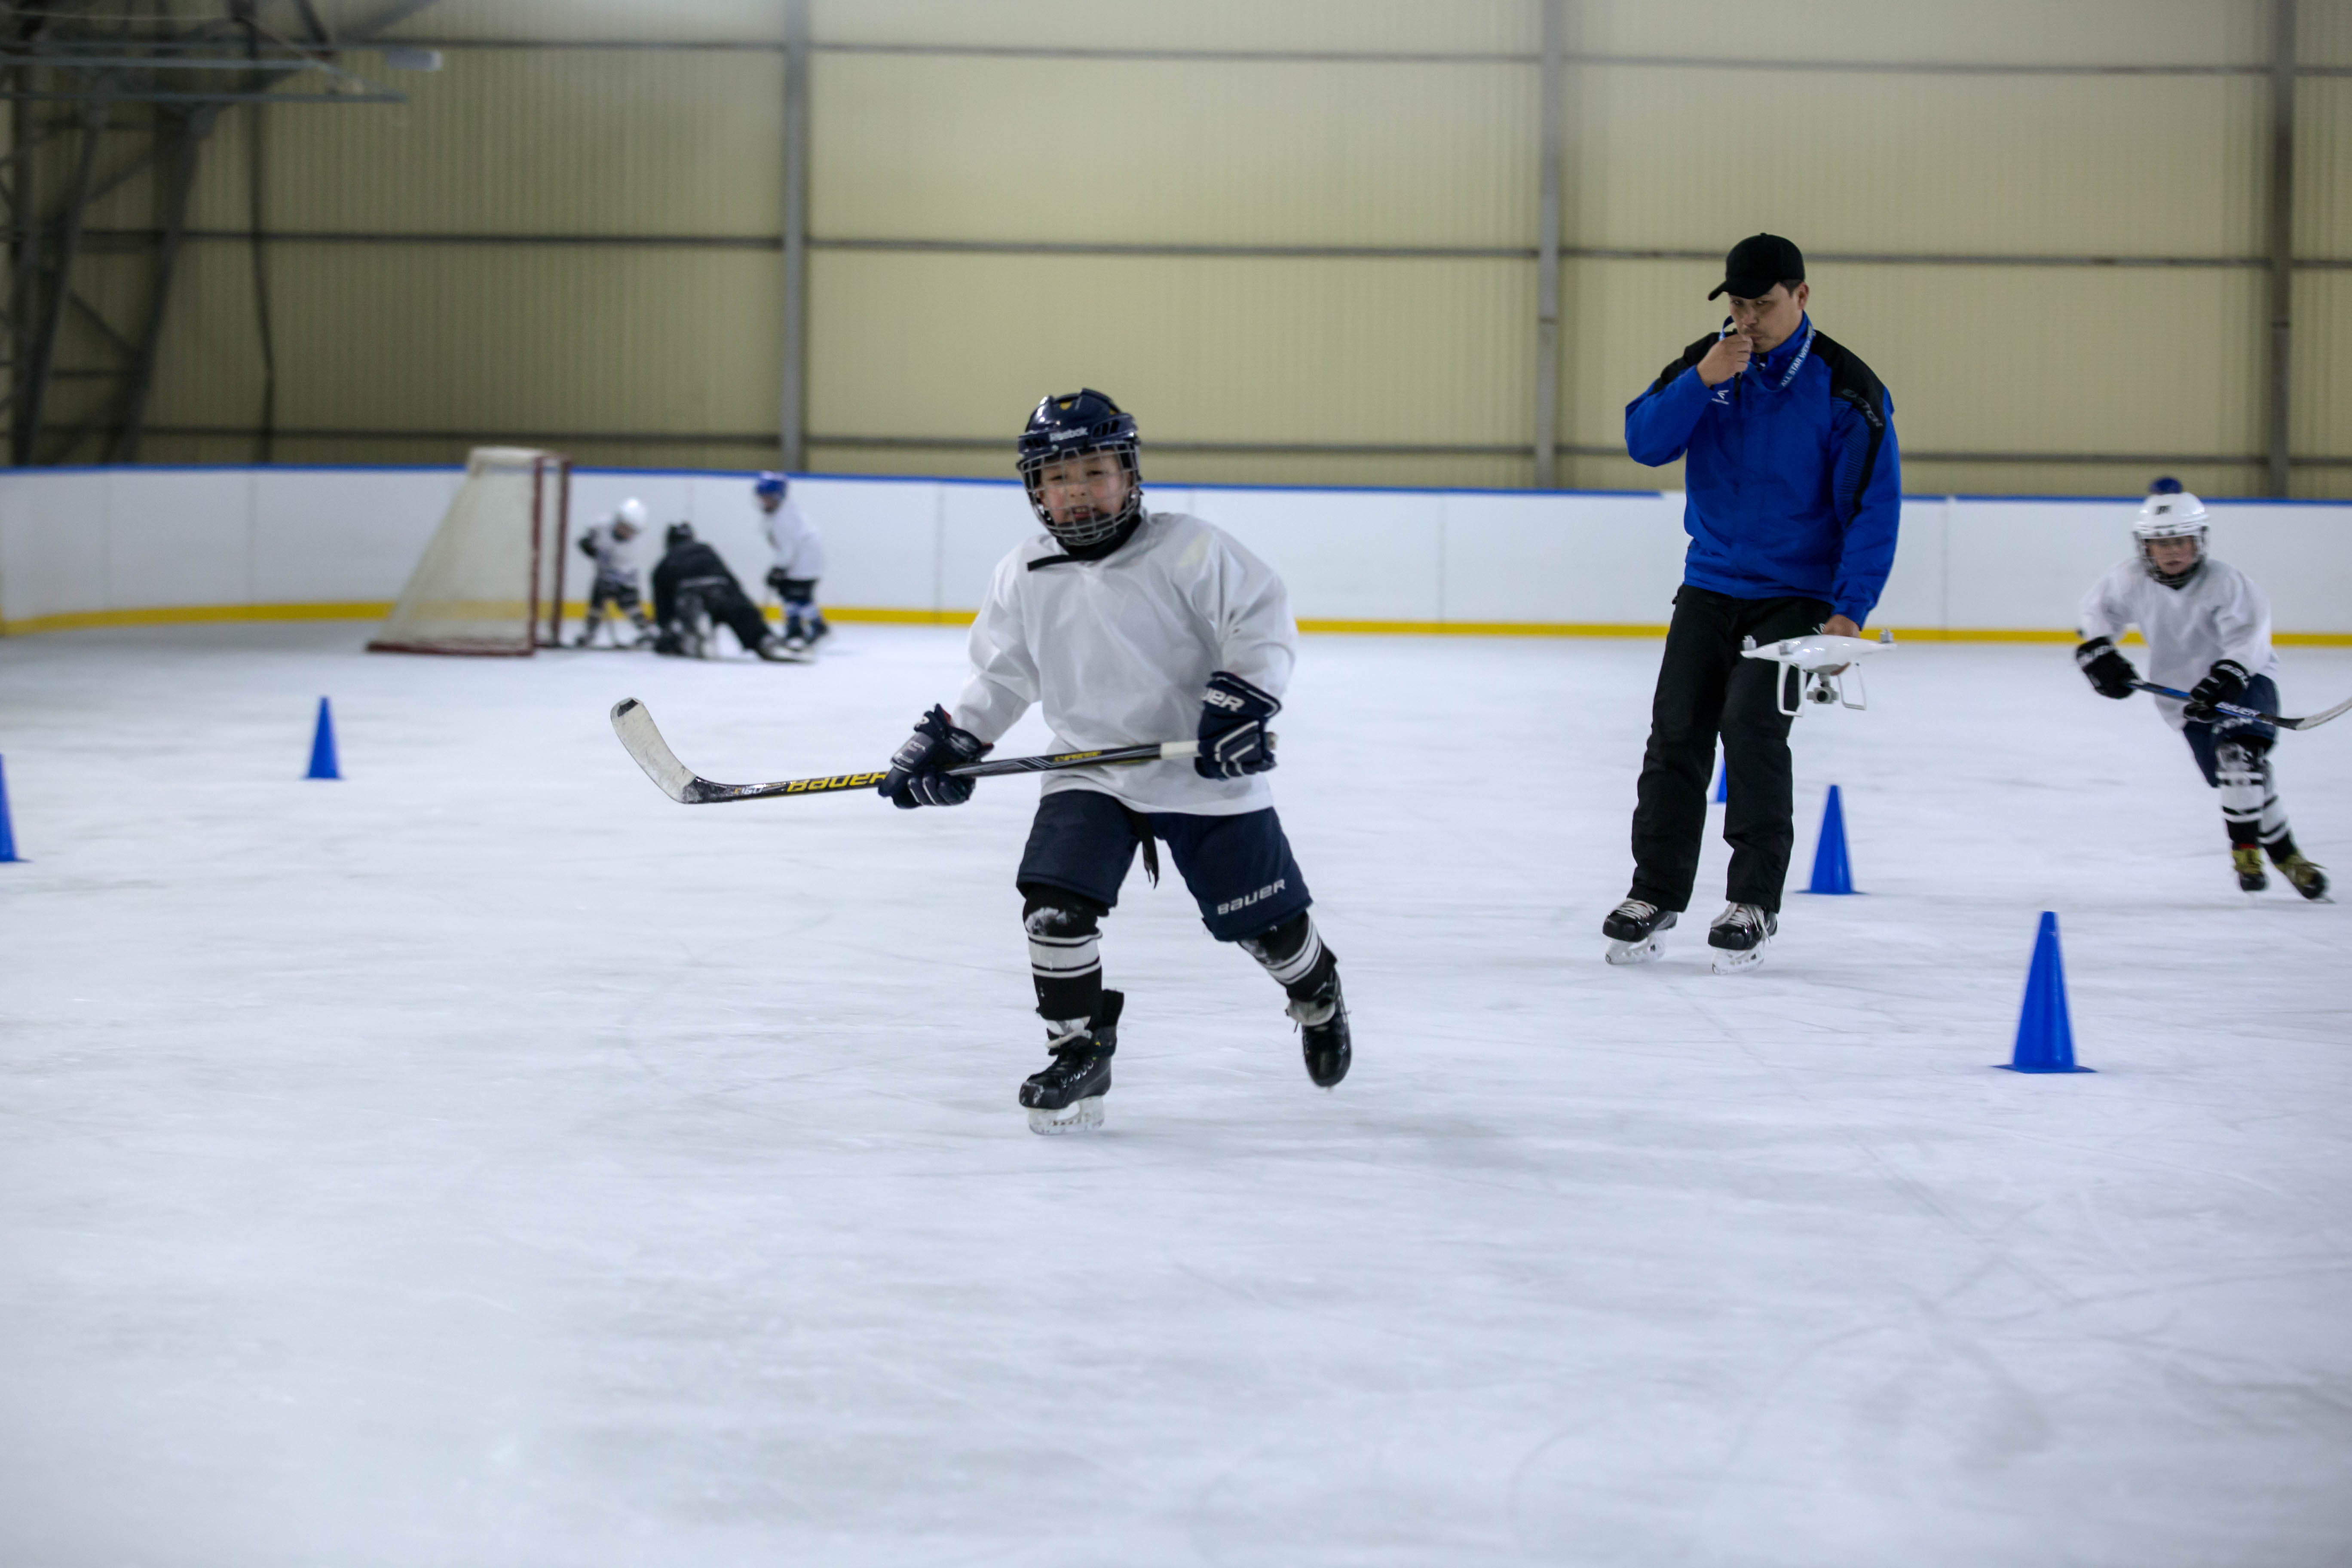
x,y
635,726
2308,722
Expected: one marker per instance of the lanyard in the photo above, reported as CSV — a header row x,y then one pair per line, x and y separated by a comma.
x,y
1798,362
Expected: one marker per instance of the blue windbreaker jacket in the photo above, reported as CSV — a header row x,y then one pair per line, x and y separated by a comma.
x,y
1794,482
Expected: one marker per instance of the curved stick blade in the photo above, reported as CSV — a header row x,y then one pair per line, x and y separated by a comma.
x,y
635,726
2314,720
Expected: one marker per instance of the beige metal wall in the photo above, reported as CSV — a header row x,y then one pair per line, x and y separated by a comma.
x,y
1324,266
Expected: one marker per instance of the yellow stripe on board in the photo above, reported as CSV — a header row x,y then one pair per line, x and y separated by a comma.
x,y
1484,628
192,615
897,618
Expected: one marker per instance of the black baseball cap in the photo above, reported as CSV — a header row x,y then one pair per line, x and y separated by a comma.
x,y
1757,263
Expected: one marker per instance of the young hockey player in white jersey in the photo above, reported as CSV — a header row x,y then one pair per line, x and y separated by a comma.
x,y
2209,633
617,575
1131,627
800,562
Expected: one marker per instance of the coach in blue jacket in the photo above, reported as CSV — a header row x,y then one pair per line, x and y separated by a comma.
x,y
1793,485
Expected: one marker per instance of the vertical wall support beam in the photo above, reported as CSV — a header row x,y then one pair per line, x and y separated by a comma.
x,y
2279,436
1554,120
180,170
24,256
33,409
793,415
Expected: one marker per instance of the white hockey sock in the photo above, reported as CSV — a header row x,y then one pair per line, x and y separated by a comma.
x,y
1065,962
2244,783
2275,833
1288,969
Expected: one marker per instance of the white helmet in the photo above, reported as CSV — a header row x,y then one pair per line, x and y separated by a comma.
x,y
2169,512
632,511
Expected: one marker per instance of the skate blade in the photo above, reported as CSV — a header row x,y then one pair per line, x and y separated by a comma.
x,y
1078,1116
1642,951
1727,962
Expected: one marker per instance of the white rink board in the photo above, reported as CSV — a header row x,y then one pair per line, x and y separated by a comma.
x,y
100,540
483,1159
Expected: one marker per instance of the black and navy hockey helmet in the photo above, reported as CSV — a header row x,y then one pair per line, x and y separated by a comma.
x,y
1070,426
677,534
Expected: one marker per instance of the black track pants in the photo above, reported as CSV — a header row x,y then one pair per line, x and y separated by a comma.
x,y
727,605
1705,688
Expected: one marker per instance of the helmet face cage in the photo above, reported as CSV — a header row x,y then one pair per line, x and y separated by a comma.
x,y
1090,527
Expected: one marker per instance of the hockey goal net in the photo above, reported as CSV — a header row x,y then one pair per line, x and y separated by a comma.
x,y
492,580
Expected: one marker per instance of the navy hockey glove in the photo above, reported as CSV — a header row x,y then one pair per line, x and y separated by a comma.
x,y
1233,741
919,774
777,579
2109,672
2225,682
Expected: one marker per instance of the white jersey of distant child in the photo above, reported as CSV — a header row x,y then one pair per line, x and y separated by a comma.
x,y
1119,650
611,554
799,552
2217,614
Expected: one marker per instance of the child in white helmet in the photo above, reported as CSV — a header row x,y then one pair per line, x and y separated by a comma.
x,y
2208,627
617,575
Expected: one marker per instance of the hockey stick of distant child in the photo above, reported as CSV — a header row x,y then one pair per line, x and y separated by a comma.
x,y
634,725
2308,722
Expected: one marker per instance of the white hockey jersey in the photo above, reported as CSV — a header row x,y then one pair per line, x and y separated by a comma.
x,y
1118,651
2219,614
799,552
612,556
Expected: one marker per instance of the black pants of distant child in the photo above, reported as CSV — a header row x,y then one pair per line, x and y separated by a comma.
x,y
726,604
1705,688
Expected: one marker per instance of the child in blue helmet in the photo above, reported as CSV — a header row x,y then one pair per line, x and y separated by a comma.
x,y
800,562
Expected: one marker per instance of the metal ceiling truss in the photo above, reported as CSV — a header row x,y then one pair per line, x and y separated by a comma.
x,y
101,93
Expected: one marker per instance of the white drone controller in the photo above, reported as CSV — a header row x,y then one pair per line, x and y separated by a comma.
x,y
1823,663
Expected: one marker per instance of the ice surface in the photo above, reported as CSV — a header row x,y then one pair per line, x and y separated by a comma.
x,y
484,1160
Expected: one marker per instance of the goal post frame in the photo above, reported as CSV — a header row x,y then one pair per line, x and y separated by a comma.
x,y
546,535
561,463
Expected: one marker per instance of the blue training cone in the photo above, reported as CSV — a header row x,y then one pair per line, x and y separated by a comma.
x,y
1832,874
1722,782
322,746
8,854
2046,1040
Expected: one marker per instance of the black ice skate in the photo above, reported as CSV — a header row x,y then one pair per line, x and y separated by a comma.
x,y
1323,1036
2248,860
1739,935
2309,879
1632,929
1067,1096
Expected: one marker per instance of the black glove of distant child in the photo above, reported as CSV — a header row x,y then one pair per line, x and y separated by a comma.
x,y
1233,741
2225,682
2109,672
919,774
